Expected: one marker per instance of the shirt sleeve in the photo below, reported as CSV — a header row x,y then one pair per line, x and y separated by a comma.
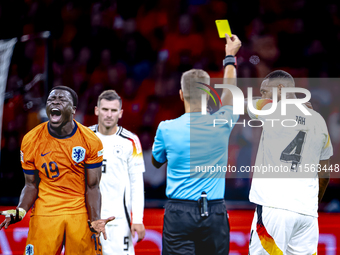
x,y
327,150
136,168
135,160
137,196
158,147
94,157
259,104
27,156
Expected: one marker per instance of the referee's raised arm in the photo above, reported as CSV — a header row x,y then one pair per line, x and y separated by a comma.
x,y
232,46
195,218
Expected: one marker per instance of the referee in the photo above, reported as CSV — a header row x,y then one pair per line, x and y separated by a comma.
x,y
195,217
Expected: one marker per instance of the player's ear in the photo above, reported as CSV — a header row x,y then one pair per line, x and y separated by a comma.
x,y
96,110
74,110
181,95
120,114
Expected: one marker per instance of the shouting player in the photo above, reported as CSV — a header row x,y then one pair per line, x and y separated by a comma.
x,y
122,176
285,220
61,160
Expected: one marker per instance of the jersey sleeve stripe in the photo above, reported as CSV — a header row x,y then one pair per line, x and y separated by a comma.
x,y
120,130
262,102
137,148
90,166
29,172
328,142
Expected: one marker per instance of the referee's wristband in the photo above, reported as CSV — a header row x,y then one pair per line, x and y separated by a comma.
x,y
229,60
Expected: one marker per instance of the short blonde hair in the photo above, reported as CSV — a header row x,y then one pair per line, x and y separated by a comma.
x,y
190,83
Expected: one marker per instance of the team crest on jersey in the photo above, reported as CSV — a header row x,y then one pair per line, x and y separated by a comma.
x,y
78,154
29,249
117,149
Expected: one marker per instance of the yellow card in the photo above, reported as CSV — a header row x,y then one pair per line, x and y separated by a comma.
x,y
223,27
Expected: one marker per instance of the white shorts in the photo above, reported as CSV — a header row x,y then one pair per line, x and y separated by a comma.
x,y
119,239
278,231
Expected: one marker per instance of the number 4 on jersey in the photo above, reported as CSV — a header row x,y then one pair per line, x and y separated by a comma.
x,y
289,155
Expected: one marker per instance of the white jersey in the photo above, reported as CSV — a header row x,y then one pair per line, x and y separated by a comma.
x,y
285,174
123,160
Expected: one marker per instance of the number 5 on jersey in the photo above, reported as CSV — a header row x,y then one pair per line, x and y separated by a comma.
x,y
104,166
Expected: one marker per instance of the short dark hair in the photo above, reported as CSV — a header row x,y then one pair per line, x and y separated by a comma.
x,y
72,92
280,75
109,95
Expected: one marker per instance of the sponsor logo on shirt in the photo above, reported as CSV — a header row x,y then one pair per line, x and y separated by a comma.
x,y
44,154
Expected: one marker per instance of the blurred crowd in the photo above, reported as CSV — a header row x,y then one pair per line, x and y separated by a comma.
x,y
141,47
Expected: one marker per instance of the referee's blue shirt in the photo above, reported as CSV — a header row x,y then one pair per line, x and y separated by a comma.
x,y
196,152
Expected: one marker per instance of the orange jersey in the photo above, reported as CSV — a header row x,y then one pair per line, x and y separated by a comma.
x,y
61,164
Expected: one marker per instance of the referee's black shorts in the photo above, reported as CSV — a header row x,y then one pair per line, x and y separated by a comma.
x,y
186,232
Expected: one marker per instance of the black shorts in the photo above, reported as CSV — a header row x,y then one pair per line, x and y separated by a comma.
x,y
186,232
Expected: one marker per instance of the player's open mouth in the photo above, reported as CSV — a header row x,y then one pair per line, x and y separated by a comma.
x,y
55,115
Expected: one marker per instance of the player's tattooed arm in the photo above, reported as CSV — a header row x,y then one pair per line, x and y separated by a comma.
x,y
324,176
28,195
93,202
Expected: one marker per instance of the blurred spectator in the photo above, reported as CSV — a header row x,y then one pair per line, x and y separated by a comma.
x,y
184,45
140,49
132,106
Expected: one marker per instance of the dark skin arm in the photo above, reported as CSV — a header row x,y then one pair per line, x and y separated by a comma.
x,y
93,196
156,163
324,177
28,195
93,202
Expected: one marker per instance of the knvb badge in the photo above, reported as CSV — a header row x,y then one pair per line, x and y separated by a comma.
x,y
29,249
78,154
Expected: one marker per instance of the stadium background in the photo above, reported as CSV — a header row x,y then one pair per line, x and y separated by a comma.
x,y
140,49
